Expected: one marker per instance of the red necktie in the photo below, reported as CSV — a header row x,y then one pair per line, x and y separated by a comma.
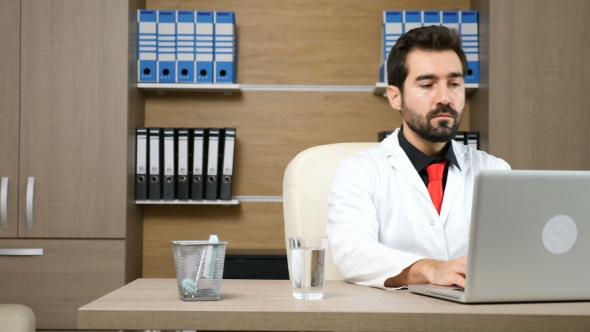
x,y
435,187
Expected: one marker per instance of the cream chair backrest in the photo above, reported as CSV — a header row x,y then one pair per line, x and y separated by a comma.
x,y
306,187
16,318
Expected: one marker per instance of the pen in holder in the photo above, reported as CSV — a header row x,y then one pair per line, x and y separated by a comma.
x,y
199,268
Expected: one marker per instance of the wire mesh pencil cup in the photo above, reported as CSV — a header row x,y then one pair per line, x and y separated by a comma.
x,y
199,269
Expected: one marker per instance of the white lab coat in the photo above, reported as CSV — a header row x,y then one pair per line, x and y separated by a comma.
x,y
382,220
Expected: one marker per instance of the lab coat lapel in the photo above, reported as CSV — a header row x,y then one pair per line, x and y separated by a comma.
x,y
400,162
455,179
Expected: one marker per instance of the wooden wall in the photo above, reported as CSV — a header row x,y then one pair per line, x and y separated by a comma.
x,y
532,106
296,42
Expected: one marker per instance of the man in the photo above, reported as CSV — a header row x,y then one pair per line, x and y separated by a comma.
x,y
387,225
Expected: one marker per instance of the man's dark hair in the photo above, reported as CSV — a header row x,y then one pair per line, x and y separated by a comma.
x,y
429,38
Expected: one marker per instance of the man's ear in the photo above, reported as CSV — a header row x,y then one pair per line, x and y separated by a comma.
x,y
394,96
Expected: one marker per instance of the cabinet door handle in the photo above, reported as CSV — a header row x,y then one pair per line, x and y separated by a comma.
x,y
21,252
30,189
4,202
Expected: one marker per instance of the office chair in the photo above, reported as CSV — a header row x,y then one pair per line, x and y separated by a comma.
x,y
16,318
306,187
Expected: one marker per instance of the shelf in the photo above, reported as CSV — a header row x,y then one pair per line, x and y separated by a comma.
x,y
380,88
229,88
189,202
180,87
264,199
332,88
234,201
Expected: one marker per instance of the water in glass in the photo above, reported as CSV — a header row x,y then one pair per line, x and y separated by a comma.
x,y
307,267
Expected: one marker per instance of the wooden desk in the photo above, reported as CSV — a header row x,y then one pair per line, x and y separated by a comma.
x,y
267,305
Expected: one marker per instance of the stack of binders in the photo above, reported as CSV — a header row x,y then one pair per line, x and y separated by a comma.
x,y
470,138
396,23
184,46
184,164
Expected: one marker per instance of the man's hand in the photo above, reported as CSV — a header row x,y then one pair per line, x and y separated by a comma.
x,y
445,273
430,271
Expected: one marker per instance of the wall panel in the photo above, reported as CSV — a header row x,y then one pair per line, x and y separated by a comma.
x,y
533,105
301,42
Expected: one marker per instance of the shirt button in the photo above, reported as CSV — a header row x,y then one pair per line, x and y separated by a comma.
x,y
432,222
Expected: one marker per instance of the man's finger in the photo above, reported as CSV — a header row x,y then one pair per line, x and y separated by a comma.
x,y
459,281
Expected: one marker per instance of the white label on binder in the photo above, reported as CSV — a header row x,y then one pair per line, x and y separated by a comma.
x,y
393,28
147,27
469,28
185,50
169,155
198,156
185,28
204,28
213,154
185,56
451,26
154,155
167,28
147,56
224,29
204,57
166,56
206,38
141,154
468,38
204,50
410,26
472,57
182,155
228,155
224,57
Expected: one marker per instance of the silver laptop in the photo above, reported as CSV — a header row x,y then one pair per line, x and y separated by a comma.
x,y
529,239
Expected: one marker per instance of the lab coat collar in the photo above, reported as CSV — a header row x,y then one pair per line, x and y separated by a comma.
x,y
455,177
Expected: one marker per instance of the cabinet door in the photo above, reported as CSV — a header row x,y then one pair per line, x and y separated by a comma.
x,y
9,114
69,274
73,130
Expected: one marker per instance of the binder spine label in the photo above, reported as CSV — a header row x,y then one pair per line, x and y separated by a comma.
x,y
213,156
228,156
154,155
198,156
141,154
169,155
182,155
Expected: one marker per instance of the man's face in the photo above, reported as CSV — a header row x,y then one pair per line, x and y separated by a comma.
x,y
434,94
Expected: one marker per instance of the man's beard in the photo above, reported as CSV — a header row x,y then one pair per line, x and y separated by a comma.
x,y
422,126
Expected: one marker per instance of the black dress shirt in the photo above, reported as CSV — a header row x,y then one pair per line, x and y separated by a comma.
x,y
420,160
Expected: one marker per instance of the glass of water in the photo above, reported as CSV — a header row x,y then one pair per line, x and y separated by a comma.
x,y
308,258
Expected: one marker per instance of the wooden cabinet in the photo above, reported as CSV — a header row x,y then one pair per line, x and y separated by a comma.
x,y
9,114
69,274
68,112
